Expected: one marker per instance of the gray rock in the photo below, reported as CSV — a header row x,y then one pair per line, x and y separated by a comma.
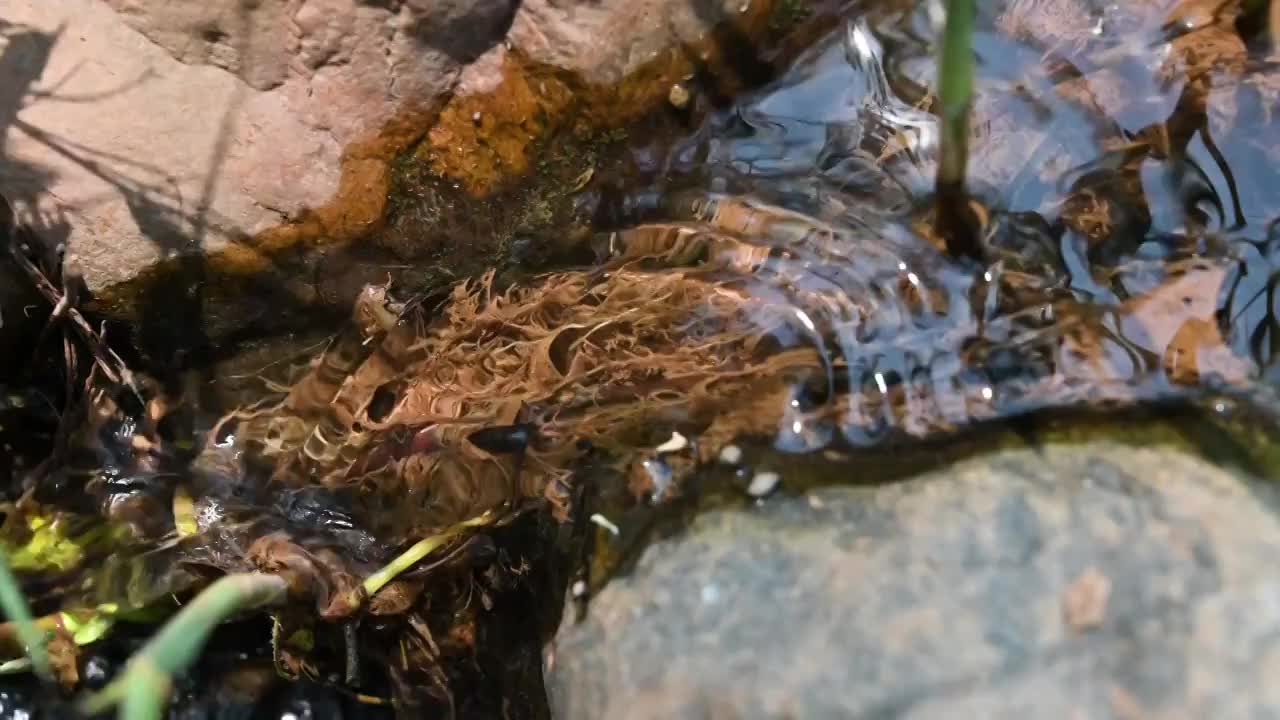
x,y
1100,580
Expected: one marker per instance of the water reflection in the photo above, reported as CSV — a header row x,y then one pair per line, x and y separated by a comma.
x,y
1116,153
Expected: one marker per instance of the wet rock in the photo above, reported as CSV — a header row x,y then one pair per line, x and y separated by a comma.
x,y
1105,579
141,131
587,67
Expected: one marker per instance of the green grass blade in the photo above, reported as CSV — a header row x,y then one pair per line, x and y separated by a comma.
x,y
955,219
143,688
146,694
417,551
955,90
14,606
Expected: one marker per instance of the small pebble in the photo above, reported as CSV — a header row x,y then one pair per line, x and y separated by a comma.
x,y
763,483
95,672
678,96
579,589
677,443
1084,603
475,117
731,455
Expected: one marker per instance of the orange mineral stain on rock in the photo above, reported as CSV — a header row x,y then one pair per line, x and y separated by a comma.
x,y
482,139
485,138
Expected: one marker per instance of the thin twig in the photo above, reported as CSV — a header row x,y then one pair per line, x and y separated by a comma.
x,y
106,358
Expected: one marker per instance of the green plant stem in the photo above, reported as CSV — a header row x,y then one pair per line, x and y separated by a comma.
x,y
143,689
13,667
956,221
419,550
955,90
145,696
15,608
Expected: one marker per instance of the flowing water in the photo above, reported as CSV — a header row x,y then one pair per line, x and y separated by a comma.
x,y
1118,159
770,282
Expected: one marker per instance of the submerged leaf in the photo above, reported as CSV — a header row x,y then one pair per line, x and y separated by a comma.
x,y
44,543
184,512
89,626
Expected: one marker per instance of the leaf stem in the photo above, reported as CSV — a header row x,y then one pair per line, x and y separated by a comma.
x,y
419,550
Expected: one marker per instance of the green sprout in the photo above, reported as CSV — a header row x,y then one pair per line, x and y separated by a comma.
x,y
416,552
15,609
49,547
142,690
956,220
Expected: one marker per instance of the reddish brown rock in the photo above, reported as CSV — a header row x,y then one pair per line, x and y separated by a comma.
x,y
169,127
136,132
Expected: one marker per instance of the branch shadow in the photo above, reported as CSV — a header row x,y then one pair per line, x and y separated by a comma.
x,y
173,336
170,337
463,31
